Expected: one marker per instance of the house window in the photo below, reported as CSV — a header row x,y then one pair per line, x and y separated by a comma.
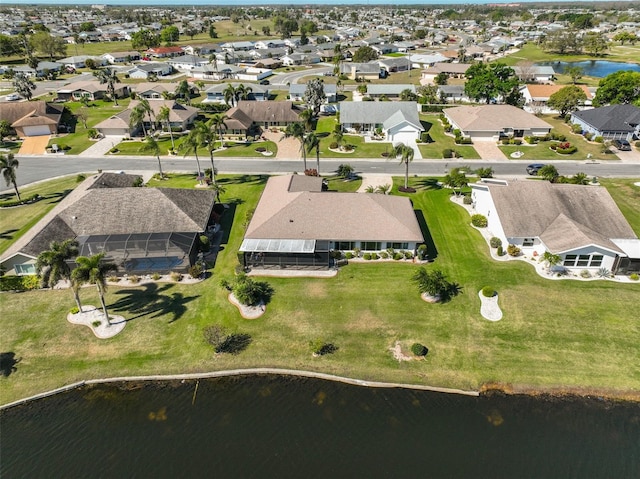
x,y
596,261
398,245
22,269
528,242
371,246
345,245
570,260
583,260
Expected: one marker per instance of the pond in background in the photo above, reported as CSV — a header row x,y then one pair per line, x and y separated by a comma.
x,y
593,68
280,427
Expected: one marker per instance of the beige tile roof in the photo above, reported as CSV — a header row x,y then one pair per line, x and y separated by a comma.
x,y
284,214
14,111
543,92
270,111
493,118
564,216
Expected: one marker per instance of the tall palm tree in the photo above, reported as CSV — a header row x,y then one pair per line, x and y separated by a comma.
x,y
163,118
208,137
307,119
218,189
242,92
218,123
191,144
136,119
91,269
52,266
405,153
108,76
146,107
313,143
153,146
183,91
296,130
8,166
229,95
338,136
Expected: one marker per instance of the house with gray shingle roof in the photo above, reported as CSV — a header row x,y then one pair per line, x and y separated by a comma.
x,y
180,116
610,122
295,225
142,230
581,224
398,120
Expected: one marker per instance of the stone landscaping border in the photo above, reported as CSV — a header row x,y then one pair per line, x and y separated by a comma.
x,y
91,314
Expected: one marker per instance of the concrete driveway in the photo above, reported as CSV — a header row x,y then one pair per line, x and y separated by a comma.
x,y
632,156
34,145
488,150
101,147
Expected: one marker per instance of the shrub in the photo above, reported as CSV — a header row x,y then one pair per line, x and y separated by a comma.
x,y
356,252
333,145
175,276
214,334
156,276
588,135
467,200
375,256
598,139
408,255
506,141
566,151
196,271
205,244
500,251
96,323
447,153
19,283
422,252
74,310
513,250
576,128
488,292
348,255
134,278
485,172
367,256
603,273
517,141
320,347
426,137
434,283
637,144
585,273
634,277
479,221
398,256
113,278
92,133
419,349
250,292
80,178
23,201
384,255
138,182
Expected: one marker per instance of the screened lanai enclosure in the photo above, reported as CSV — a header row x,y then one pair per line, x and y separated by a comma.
x,y
285,253
142,253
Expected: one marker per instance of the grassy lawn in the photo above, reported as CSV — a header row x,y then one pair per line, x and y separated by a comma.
x,y
136,147
432,125
17,221
627,197
532,52
553,334
326,126
541,151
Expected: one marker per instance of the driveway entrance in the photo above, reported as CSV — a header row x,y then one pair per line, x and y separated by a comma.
x,y
488,150
34,145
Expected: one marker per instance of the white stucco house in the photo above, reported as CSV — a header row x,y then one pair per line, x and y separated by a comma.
x,y
581,224
398,120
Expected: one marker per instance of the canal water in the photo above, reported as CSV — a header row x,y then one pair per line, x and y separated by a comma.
x,y
593,68
283,427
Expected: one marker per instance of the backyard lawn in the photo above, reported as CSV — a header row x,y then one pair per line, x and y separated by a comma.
x,y
565,334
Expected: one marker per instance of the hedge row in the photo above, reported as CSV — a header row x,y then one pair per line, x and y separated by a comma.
x,y
19,283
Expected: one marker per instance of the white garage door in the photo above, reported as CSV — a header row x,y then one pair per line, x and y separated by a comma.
x,y
37,130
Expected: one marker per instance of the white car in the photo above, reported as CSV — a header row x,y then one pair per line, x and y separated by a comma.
x,y
12,97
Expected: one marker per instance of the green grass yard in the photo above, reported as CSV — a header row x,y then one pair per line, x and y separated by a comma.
x,y
441,141
565,334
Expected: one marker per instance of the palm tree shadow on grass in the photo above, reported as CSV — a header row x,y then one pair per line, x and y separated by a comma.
x,y
432,251
427,184
152,301
244,179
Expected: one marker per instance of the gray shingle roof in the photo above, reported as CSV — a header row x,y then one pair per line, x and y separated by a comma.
x,y
377,112
611,118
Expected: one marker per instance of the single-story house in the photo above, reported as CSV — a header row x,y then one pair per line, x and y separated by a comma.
x,y
219,71
142,70
610,122
581,224
215,93
164,52
398,120
159,90
453,94
300,59
536,96
32,118
362,71
248,117
141,230
80,61
421,60
237,46
91,89
295,224
389,91
452,70
396,64
121,57
535,73
187,62
297,91
180,117
491,122
272,43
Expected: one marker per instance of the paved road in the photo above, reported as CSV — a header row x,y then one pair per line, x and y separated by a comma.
x,y
285,79
37,168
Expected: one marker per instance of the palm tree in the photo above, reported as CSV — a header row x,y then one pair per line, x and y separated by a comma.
x,y
207,136
338,136
52,266
218,189
313,143
191,144
218,123
108,76
91,269
8,166
307,119
153,146
183,91
229,95
136,119
163,118
296,130
146,107
243,92
405,153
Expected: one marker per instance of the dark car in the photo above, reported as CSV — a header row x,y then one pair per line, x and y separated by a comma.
x,y
264,82
622,145
533,168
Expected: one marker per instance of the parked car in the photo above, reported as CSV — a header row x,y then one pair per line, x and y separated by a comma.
x,y
533,168
12,97
622,145
264,82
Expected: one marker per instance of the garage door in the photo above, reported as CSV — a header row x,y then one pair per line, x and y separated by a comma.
x,y
37,130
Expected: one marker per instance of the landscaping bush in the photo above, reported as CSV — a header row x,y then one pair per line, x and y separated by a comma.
x,y
500,251
92,133
585,273
375,256
505,141
250,292
603,273
588,135
19,283
566,151
434,283
447,153
398,256
366,256
321,348
74,310
348,255
467,200
205,244
419,349
175,276
426,138
598,139
637,144
422,252
113,278
634,277
80,178
513,250
479,221
24,201
495,242
156,276
195,271
384,255
576,128
134,279
488,292
408,255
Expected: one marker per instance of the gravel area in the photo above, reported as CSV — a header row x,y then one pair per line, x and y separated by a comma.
x,y
247,312
490,309
91,314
